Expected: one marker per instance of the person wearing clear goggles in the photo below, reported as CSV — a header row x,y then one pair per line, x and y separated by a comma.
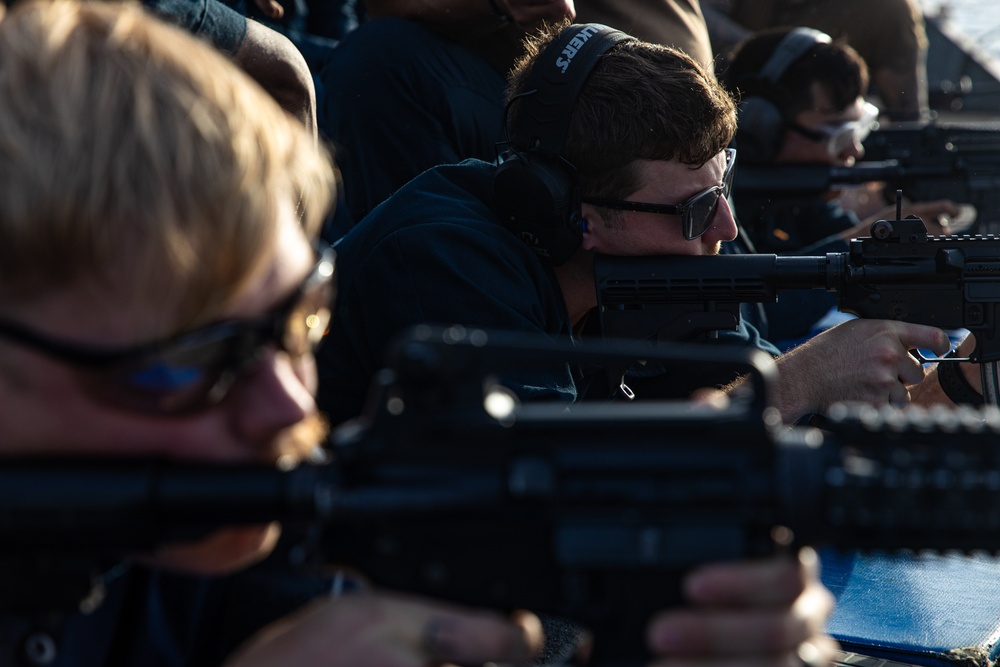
x,y
842,139
822,136
813,90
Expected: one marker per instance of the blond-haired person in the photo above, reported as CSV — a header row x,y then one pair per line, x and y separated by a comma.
x,y
157,206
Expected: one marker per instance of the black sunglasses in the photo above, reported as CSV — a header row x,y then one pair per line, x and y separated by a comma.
x,y
697,212
194,370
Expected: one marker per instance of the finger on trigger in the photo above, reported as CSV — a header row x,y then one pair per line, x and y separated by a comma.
x,y
920,336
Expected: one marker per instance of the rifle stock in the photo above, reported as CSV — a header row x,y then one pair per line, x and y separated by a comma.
x,y
591,512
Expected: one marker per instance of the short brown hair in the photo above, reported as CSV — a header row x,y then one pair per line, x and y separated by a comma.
x,y
135,156
641,101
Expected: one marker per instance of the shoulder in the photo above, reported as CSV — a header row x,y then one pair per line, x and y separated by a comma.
x,y
462,193
444,214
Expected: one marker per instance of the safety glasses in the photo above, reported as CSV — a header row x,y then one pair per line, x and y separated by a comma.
x,y
194,370
697,213
840,137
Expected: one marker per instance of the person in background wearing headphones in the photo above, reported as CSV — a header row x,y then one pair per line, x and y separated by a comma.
x,y
889,34
802,102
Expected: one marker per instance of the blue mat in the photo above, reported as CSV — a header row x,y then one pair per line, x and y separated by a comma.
x,y
926,609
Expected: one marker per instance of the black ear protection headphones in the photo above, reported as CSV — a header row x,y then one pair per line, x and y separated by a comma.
x,y
537,195
760,119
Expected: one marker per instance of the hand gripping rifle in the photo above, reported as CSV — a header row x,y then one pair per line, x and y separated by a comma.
x,y
897,273
591,512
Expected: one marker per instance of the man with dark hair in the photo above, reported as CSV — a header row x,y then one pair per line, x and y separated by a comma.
x,y
802,79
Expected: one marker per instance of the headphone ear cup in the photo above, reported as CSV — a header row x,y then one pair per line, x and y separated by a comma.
x,y
760,122
760,129
537,199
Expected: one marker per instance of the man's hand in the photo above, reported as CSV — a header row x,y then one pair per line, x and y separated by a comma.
x,y
770,613
860,360
382,630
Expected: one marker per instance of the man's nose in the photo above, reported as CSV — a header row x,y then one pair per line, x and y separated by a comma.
x,y
273,397
723,225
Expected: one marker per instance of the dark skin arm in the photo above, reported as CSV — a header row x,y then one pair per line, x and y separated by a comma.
x,y
462,17
274,62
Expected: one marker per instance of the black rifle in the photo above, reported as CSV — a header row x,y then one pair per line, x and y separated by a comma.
x,y
897,273
953,161
589,511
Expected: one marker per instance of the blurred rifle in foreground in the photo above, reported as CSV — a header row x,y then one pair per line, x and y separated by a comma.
x,y
590,512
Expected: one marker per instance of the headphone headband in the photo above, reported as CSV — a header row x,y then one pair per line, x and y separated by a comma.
x,y
761,116
794,45
554,83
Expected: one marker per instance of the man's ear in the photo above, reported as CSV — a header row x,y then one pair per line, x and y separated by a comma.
x,y
590,224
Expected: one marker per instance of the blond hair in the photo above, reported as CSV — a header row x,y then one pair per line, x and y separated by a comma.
x,y
133,154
